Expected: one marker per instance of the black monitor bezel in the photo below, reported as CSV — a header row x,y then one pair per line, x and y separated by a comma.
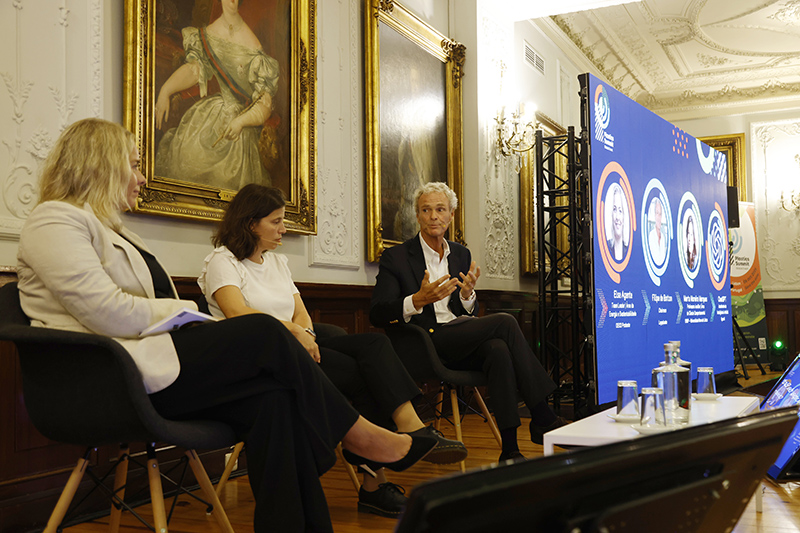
x,y
790,469
589,485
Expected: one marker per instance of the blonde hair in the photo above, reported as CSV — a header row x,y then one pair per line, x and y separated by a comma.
x,y
435,186
90,163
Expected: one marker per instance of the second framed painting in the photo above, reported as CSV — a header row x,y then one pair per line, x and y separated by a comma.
x,y
527,208
221,93
413,118
732,146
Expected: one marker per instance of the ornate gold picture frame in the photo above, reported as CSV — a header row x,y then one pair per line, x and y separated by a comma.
x,y
219,101
733,148
413,120
527,187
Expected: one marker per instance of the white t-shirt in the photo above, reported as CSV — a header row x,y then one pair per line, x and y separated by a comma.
x,y
267,287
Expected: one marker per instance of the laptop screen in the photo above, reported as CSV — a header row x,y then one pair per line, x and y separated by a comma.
x,y
786,392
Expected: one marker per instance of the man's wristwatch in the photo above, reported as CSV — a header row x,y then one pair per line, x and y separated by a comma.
x,y
311,332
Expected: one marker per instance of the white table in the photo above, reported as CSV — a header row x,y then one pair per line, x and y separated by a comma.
x,y
599,429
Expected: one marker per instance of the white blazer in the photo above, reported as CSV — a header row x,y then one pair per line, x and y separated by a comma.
x,y
77,274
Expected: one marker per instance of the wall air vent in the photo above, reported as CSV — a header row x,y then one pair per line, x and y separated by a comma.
x,y
533,58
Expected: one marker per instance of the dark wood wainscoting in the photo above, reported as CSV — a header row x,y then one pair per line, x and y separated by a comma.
x,y
783,323
346,306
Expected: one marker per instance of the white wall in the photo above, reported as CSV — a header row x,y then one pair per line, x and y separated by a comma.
x,y
71,57
52,48
773,165
555,92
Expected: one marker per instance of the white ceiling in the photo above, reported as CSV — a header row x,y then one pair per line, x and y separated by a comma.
x,y
529,9
688,58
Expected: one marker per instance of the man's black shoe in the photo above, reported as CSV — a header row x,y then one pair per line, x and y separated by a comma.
x,y
388,500
537,432
446,451
514,457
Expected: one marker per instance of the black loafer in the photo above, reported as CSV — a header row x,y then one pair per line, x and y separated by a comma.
x,y
446,451
514,457
420,447
388,500
537,432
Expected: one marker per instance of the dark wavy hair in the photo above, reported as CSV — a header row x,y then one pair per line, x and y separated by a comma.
x,y
252,203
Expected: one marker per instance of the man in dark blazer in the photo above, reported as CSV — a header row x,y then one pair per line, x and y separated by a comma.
x,y
430,281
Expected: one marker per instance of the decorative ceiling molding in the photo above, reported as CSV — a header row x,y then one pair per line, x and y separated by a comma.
x,y
525,9
682,54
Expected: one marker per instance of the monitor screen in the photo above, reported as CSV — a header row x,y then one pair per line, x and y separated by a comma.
x,y
786,392
697,479
660,241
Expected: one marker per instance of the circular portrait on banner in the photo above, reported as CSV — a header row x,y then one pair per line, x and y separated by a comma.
x,y
717,254
617,222
690,227
690,238
657,234
614,219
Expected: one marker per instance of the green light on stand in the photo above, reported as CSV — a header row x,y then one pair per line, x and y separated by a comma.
x,y
778,355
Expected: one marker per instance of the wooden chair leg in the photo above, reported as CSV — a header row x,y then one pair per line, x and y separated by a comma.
x,y
350,470
120,479
457,420
208,489
67,494
156,491
489,418
237,450
439,399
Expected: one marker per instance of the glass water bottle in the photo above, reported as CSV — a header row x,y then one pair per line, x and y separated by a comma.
x,y
675,380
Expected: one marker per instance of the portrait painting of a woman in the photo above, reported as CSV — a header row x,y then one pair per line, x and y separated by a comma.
x,y
227,137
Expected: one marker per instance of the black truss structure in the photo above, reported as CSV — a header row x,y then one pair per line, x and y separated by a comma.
x,y
564,244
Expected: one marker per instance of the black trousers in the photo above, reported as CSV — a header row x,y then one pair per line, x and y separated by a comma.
x,y
366,369
251,373
495,345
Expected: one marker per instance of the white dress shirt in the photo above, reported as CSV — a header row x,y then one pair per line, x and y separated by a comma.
x,y
437,267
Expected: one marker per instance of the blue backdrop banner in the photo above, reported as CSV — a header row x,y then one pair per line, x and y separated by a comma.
x,y
661,260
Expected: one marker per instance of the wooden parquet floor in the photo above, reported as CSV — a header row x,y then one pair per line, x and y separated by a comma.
x,y
781,502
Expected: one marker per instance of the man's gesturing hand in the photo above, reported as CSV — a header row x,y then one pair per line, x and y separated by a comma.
x,y
469,280
430,292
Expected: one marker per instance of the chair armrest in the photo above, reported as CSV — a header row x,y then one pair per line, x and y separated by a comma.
x,y
415,349
327,331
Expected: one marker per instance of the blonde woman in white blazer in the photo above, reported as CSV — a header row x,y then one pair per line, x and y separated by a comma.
x,y
80,270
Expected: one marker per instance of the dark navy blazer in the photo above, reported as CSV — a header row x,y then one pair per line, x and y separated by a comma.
x,y
401,271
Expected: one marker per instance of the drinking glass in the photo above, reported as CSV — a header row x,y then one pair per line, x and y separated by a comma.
x,y
627,398
653,407
705,380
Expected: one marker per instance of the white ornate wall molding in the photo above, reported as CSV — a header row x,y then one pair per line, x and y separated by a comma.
x,y
501,248
500,180
51,69
340,172
775,149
